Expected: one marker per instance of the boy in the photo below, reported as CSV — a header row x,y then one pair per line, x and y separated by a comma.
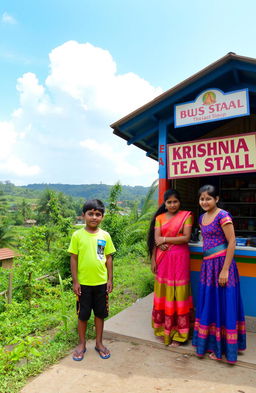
x,y
91,251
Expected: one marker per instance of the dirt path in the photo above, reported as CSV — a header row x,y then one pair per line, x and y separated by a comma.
x,y
141,368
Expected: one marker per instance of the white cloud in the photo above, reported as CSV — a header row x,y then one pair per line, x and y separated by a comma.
x,y
14,165
61,133
33,95
8,19
9,163
122,160
89,75
8,137
106,151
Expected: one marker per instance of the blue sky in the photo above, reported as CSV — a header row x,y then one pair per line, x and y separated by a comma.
x,y
71,68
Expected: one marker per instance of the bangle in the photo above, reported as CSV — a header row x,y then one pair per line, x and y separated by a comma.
x,y
164,239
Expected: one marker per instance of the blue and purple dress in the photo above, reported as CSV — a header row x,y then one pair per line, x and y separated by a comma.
x,y
220,322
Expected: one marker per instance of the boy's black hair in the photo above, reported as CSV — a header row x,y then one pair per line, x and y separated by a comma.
x,y
160,210
94,204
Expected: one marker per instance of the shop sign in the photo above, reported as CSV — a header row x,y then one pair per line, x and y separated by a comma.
x,y
207,157
212,105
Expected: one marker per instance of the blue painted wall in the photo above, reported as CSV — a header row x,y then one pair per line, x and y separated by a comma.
x,y
248,292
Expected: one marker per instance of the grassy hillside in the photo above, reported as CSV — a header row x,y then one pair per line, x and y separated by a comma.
x,y
85,191
88,191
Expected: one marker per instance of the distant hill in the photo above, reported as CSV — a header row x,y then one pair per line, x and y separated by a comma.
x,y
89,191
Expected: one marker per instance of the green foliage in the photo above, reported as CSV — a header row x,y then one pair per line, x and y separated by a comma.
x,y
132,280
53,207
21,319
51,233
64,225
22,348
139,221
113,198
11,194
28,264
115,225
51,312
24,209
48,208
90,191
6,234
60,258
63,306
15,194
46,307
17,218
149,201
113,222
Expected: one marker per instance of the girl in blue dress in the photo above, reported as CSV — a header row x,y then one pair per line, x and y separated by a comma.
x,y
220,323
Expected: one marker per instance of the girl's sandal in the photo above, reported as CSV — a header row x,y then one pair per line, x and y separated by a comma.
x,y
175,344
212,356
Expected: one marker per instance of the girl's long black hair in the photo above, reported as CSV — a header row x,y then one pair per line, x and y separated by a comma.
x,y
210,189
160,210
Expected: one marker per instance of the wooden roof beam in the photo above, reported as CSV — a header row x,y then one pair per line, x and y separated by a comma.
x,y
151,154
173,139
236,76
142,135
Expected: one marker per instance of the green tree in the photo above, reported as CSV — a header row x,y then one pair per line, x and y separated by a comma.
x,y
60,258
78,206
113,198
114,222
53,206
140,218
17,218
3,202
7,237
31,251
25,209
51,234
49,208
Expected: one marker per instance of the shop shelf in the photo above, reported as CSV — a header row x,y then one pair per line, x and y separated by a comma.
x,y
238,189
243,217
244,230
238,203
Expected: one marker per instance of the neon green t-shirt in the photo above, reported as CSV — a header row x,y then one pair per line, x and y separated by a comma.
x,y
91,249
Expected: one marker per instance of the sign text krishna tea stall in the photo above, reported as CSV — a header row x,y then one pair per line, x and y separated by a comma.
x,y
207,157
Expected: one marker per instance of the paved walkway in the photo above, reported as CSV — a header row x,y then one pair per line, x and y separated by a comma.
x,y
134,325
139,363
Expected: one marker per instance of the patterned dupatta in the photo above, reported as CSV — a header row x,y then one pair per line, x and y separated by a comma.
x,y
171,228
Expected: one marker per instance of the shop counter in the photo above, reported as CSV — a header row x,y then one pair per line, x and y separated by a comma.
x,y
245,257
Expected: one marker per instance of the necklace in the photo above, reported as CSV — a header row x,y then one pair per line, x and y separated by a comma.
x,y
212,213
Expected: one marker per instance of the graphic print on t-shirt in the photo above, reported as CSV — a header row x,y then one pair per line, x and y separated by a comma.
x,y
100,248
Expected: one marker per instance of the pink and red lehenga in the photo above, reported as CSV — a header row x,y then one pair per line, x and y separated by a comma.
x,y
172,315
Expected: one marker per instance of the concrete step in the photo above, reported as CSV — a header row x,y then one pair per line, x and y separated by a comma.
x,y
134,325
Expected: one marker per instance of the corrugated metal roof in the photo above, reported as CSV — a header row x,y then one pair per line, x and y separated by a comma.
x,y
6,253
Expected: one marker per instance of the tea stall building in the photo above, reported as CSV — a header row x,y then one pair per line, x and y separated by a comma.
x,y
203,131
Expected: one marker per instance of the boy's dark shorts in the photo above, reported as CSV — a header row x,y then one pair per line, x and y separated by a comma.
x,y
92,298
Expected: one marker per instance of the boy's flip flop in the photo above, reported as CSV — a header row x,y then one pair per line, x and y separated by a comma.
x,y
80,355
105,351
